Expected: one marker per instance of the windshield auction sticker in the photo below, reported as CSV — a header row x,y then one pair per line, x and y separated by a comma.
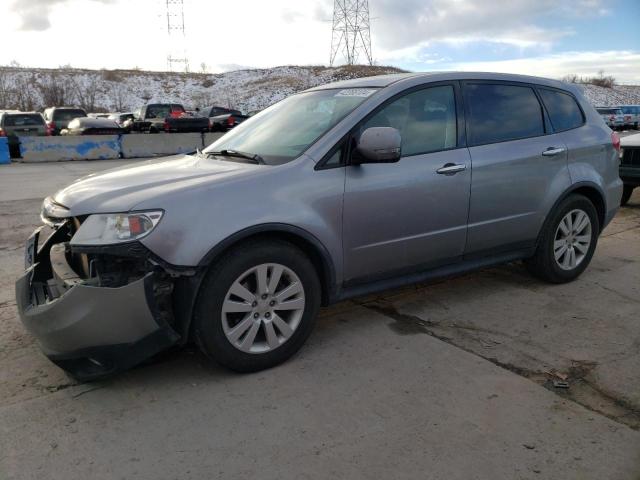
x,y
355,92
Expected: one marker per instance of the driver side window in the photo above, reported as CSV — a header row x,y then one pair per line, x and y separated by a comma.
x,y
426,120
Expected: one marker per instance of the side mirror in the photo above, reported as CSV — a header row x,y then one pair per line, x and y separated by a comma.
x,y
379,145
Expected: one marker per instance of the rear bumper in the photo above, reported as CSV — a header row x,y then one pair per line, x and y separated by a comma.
x,y
91,331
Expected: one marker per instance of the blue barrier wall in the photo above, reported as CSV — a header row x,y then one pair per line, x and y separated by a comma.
x,y
101,147
54,149
4,151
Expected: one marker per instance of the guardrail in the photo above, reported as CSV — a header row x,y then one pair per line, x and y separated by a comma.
x,y
104,147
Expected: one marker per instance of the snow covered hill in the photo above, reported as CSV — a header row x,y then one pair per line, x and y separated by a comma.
x,y
246,90
124,90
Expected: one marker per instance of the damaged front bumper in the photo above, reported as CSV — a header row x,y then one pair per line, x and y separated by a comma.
x,y
90,325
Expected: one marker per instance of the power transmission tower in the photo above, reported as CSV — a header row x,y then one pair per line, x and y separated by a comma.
x,y
176,36
351,33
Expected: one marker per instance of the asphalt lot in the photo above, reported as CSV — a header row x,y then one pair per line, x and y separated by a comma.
x,y
453,380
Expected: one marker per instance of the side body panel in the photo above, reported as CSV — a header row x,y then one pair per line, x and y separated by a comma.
x,y
512,190
198,219
593,160
403,215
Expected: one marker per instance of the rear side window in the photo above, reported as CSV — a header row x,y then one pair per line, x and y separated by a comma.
x,y
563,110
425,118
23,120
498,113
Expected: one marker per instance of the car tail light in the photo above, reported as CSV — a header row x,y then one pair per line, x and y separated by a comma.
x,y
231,121
2,134
166,126
210,124
615,140
612,118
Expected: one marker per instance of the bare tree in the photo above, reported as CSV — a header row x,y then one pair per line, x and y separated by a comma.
x,y
118,98
25,93
5,90
55,90
87,91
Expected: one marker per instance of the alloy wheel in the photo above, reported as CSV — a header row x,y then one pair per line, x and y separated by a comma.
x,y
262,308
572,239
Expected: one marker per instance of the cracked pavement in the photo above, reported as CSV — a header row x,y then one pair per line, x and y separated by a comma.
x,y
457,379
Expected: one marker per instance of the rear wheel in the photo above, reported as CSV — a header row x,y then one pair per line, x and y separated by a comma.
x,y
626,194
567,241
257,306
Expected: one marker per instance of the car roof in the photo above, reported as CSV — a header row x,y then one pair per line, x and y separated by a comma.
x,y
382,81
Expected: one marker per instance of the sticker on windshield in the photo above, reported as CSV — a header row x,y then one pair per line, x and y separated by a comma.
x,y
355,92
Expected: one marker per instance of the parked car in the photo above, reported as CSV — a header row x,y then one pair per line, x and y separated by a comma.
x,y
222,119
92,126
613,117
58,118
629,165
14,124
342,190
165,117
631,115
121,118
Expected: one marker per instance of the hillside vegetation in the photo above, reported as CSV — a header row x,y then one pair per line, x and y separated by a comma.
x,y
246,90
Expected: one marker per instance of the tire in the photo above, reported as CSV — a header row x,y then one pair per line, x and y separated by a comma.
x,y
543,264
626,194
215,327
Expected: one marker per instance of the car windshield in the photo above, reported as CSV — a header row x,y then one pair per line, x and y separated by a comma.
x,y
285,130
23,120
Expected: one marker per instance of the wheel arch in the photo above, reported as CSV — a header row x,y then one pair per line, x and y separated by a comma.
x,y
589,190
187,288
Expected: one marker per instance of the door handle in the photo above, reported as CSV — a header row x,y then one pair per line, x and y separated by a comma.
x,y
551,151
451,168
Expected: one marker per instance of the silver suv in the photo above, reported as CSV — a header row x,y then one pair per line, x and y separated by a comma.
x,y
338,191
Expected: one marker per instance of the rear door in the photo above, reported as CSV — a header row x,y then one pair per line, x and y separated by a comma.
x,y
406,216
519,166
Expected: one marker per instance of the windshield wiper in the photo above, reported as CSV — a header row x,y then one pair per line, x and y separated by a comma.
x,y
254,157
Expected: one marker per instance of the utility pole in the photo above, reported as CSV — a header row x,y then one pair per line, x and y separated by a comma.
x,y
351,33
176,36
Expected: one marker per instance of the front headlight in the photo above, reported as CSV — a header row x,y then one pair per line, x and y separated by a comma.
x,y
111,228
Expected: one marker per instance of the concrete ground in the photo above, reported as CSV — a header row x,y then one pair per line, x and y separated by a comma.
x,y
453,380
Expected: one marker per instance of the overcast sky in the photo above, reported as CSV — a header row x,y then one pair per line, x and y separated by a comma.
x,y
543,37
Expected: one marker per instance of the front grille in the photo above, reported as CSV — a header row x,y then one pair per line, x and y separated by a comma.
x,y
631,157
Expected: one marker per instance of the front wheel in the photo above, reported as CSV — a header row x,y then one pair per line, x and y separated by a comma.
x,y
627,191
567,241
257,306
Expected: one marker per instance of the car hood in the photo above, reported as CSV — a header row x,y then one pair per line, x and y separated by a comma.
x,y
121,189
630,141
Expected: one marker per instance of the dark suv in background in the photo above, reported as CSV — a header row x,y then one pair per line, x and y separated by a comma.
x,y
58,118
21,124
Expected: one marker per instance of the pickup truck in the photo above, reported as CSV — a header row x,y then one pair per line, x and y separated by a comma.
x,y
222,119
629,165
165,117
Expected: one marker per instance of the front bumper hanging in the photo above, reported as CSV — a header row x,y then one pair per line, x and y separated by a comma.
x,y
87,329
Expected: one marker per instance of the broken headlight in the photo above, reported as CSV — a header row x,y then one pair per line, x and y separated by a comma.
x,y
112,228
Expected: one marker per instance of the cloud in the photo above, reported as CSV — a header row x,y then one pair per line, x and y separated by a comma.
x,y
520,23
624,66
34,14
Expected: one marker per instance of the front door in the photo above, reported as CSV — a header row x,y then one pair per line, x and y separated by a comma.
x,y
410,215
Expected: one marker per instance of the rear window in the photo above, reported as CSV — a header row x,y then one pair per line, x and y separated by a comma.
x,y
23,120
563,110
498,113
158,111
66,115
